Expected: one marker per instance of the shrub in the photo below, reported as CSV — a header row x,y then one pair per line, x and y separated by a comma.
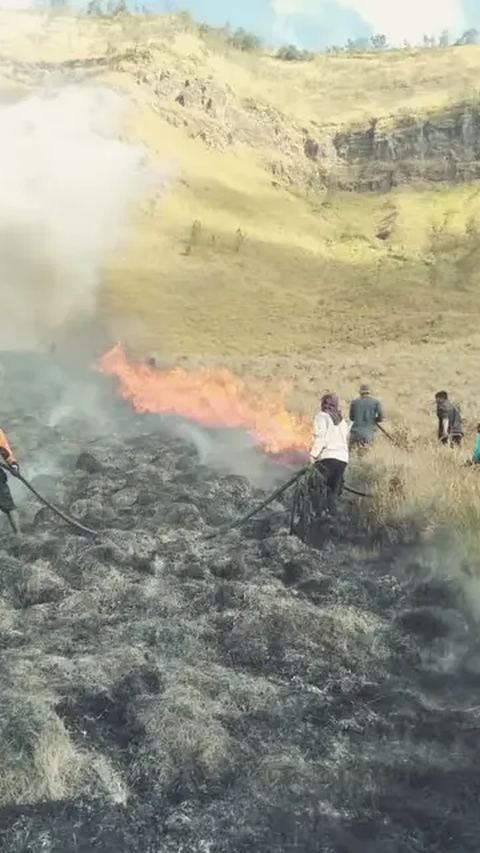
x,y
243,40
291,53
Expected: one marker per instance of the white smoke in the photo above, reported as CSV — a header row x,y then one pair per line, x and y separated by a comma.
x,y
66,181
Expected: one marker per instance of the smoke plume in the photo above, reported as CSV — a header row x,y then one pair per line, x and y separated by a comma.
x,y
66,184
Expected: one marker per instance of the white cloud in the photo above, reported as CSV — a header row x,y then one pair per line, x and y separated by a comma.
x,y
399,20
16,4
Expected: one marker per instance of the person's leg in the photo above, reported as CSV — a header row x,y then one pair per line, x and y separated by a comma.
x,y
7,504
320,486
359,446
335,484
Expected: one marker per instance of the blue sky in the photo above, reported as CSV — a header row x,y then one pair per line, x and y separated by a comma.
x,y
314,24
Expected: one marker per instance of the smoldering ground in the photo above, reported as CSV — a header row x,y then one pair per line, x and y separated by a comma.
x,y
162,690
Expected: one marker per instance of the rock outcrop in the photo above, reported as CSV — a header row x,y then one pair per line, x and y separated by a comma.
x,y
192,95
443,146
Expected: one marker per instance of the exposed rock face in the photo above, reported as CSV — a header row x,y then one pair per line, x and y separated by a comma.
x,y
441,147
376,156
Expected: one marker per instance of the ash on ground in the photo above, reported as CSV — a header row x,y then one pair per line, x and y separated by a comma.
x,y
164,691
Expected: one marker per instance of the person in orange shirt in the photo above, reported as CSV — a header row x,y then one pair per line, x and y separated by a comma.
x,y
7,504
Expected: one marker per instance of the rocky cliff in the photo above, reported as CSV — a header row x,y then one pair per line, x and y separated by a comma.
x,y
443,146
294,129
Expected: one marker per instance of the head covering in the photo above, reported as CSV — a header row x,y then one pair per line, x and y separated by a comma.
x,y
443,403
330,405
364,389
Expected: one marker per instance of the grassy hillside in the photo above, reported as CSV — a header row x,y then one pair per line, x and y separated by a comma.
x,y
232,263
166,690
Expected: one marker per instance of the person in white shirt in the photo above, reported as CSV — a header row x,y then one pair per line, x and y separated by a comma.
x,y
329,453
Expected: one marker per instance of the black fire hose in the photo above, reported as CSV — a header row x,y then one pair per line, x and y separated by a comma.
x,y
239,522
275,494
390,437
71,521
271,497
356,492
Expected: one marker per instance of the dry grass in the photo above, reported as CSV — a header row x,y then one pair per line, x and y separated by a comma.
x,y
329,90
186,745
227,266
422,494
39,760
306,273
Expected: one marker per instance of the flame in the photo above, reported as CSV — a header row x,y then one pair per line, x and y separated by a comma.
x,y
211,397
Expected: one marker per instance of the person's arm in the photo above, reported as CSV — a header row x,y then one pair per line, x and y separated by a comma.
x,y
444,423
5,450
319,436
351,411
379,415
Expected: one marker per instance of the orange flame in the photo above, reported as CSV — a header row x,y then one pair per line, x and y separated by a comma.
x,y
211,397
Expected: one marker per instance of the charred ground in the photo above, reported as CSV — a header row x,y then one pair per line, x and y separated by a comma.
x,y
166,691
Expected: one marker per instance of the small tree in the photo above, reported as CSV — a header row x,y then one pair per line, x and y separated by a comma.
x,y
244,40
358,45
291,53
94,8
378,41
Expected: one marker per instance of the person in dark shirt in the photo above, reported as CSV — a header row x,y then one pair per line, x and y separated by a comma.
x,y
365,412
450,430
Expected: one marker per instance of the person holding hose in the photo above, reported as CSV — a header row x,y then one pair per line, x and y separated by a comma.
x,y
329,453
450,429
9,462
366,413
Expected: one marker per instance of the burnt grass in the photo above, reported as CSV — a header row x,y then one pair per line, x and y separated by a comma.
x,y
164,691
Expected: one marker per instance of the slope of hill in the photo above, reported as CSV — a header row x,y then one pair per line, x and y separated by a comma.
x,y
163,690
254,251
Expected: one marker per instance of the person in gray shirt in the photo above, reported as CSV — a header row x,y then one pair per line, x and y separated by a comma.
x,y
365,412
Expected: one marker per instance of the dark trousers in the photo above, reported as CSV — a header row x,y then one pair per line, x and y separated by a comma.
x,y
360,445
331,473
6,500
454,439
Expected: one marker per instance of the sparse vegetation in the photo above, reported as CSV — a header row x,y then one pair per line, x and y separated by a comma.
x,y
291,53
243,40
165,690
